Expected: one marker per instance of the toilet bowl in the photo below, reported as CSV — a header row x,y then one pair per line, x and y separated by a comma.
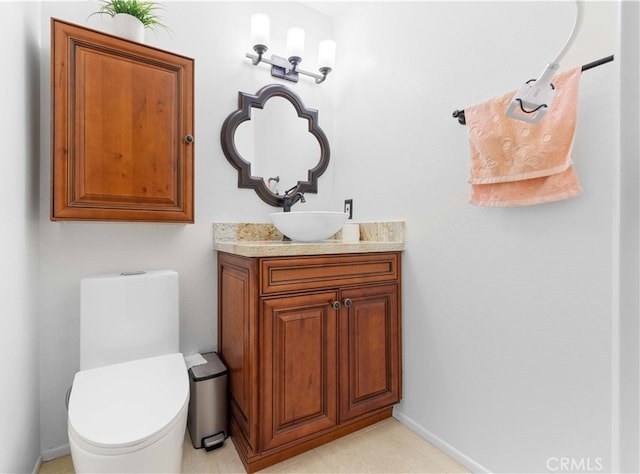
x,y
129,417
128,404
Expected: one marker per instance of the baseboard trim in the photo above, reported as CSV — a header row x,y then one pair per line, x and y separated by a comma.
x,y
54,453
36,468
445,447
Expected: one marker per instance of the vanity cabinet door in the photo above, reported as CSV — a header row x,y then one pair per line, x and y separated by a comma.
x,y
122,124
370,354
298,372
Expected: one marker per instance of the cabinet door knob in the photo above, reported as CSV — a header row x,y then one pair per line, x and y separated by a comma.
x,y
347,302
188,139
336,305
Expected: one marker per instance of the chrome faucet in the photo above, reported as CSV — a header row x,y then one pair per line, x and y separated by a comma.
x,y
290,199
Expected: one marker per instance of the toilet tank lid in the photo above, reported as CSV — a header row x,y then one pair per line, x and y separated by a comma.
x,y
126,404
134,273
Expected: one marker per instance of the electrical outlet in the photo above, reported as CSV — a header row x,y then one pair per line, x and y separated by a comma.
x,y
348,207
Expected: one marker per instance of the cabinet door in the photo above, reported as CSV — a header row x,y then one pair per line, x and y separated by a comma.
x,y
370,359
299,398
122,125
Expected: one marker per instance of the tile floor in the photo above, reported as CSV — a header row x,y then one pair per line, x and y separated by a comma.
x,y
386,447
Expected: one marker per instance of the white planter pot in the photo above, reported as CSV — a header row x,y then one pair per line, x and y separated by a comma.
x,y
128,26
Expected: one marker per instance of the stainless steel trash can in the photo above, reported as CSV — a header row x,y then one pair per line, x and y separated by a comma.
x,y
207,420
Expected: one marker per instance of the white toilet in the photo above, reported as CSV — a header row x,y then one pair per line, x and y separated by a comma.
x,y
129,401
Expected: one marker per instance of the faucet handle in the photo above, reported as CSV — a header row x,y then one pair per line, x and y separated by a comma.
x,y
286,193
290,199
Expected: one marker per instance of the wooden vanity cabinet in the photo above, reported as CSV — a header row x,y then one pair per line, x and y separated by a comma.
x,y
313,344
122,129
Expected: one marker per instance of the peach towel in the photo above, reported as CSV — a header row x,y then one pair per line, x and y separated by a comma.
x,y
515,163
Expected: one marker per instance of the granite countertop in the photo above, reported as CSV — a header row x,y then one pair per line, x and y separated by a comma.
x,y
264,240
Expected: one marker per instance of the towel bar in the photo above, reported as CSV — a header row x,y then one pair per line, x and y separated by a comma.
x,y
459,114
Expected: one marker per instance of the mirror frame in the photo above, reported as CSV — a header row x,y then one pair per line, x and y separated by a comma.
x,y
227,138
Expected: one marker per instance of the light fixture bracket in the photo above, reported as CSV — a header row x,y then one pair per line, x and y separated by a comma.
x,y
283,69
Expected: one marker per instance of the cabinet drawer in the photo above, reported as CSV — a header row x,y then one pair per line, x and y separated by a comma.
x,y
306,273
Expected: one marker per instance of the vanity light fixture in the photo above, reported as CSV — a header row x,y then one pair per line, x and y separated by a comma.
x,y
287,68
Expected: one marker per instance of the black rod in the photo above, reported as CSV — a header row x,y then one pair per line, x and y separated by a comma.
x,y
597,63
459,114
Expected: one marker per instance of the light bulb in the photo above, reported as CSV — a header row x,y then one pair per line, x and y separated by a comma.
x,y
260,30
327,54
295,42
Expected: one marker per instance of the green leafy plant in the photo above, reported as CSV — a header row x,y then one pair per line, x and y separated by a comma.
x,y
144,11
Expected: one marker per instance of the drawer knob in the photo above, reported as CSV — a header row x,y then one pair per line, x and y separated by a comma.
x,y
347,302
336,305
188,139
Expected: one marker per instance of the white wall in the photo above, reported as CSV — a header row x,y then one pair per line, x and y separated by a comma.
x,y
507,312
511,316
627,325
217,36
19,96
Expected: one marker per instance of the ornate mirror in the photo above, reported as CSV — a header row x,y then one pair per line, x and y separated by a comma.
x,y
270,146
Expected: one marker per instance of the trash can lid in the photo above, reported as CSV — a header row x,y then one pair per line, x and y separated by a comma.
x,y
213,368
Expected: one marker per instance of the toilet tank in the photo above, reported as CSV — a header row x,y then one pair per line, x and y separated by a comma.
x,y
128,316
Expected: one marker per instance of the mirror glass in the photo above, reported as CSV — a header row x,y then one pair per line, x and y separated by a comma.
x,y
278,144
275,143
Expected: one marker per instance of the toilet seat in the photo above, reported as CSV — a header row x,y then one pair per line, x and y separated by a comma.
x,y
125,407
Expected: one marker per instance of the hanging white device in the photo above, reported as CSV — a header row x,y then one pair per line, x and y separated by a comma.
x,y
533,99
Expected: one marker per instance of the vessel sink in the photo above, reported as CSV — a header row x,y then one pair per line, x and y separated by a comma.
x,y
308,226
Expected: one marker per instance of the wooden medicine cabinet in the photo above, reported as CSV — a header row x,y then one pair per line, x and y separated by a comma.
x,y
122,129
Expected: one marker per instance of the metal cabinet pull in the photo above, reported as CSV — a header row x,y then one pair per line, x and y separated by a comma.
x,y
347,302
188,139
336,305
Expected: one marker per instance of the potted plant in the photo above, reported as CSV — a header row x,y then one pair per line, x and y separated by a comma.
x,y
131,17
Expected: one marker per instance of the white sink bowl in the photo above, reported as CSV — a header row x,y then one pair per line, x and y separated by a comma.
x,y
308,226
